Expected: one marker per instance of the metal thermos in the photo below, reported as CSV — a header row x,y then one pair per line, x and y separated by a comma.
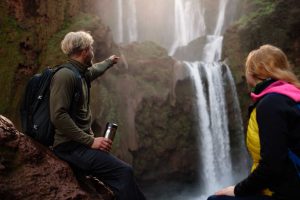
x,y
110,131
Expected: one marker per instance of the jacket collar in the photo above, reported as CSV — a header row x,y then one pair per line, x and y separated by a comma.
x,y
80,66
275,86
262,85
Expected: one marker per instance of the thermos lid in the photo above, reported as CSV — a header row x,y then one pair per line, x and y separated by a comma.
x,y
110,124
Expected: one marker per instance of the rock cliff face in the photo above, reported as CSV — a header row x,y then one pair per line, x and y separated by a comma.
x,y
150,97
30,171
30,37
147,94
267,22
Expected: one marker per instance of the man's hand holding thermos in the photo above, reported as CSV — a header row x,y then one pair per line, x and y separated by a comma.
x,y
105,143
102,143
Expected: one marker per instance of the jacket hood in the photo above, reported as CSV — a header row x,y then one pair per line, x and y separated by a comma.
x,y
280,87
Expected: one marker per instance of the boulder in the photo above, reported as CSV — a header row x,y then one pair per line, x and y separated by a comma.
x,y
193,51
262,22
29,170
150,96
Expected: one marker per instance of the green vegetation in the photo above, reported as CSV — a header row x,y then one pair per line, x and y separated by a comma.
x,y
10,35
259,8
53,55
26,46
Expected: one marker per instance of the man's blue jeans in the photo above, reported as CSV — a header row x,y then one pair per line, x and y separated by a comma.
x,y
215,197
110,170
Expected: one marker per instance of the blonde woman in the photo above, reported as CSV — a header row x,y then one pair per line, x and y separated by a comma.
x,y
273,134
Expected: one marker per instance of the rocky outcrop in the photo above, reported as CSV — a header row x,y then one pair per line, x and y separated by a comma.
x,y
28,170
26,28
149,95
31,32
193,51
266,22
148,90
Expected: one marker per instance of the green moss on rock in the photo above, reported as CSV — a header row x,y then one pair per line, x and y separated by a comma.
x,y
10,35
53,54
265,22
259,8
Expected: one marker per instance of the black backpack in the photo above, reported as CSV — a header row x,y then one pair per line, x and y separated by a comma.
x,y
35,113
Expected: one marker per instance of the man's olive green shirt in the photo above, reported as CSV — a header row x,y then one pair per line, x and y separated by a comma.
x,y
62,89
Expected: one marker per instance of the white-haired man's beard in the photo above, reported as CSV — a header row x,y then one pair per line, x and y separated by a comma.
x,y
89,59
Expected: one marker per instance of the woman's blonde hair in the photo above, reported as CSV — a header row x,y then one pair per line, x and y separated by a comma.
x,y
75,42
270,62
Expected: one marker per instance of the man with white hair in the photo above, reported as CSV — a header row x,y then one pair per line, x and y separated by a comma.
x,y
70,113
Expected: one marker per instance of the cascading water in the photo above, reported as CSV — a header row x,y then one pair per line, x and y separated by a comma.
x,y
120,37
191,21
216,168
126,32
132,22
215,157
221,17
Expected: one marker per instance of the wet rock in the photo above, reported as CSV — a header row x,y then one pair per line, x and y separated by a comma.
x,y
193,51
263,22
31,32
29,170
150,96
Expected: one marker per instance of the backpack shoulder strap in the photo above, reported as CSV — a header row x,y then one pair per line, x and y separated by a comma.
x,y
77,73
72,68
79,83
78,91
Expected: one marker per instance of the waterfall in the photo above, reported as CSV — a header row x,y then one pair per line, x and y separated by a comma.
x,y
209,77
126,32
208,169
221,17
212,51
132,22
189,22
120,35
216,169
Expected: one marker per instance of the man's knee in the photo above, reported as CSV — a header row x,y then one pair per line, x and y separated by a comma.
x,y
210,198
127,170
214,197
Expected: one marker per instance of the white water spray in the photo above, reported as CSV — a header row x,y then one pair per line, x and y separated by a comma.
x,y
120,35
221,17
216,169
189,22
126,32
132,22
209,76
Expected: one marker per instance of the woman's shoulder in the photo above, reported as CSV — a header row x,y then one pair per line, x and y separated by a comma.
x,y
275,101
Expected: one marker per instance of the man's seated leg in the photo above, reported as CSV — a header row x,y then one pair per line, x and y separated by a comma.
x,y
118,174
109,169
